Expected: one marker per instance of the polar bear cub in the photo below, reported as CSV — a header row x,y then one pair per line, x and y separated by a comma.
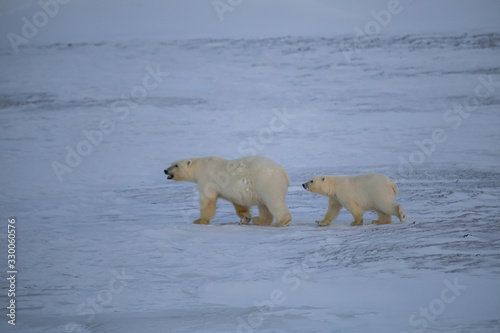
x,y
248,181
358,194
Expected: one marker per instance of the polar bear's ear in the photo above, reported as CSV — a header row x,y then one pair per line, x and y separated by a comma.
x,y
189,163
323,179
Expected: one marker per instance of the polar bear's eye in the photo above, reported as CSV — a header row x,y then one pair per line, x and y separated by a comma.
x,y
176,166
312,181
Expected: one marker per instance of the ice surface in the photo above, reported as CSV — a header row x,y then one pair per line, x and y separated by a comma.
x,y
111,247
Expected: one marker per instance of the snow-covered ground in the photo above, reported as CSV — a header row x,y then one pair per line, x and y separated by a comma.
x,y
105,243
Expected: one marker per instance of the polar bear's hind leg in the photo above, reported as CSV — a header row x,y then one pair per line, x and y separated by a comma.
x,y
401,213
382,218
265,217
285,220
279,211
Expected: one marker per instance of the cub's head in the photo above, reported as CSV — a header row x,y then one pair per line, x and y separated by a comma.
x,y
324,185
181,170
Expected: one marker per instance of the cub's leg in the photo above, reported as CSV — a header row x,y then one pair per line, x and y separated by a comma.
x,y
332,212
398,211
207,209
382,218
356,211
401,213
243,213
265,217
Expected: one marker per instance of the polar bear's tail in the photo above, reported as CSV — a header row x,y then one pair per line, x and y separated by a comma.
x,y
394,188
286,177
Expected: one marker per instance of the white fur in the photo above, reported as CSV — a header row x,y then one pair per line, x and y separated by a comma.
x,y
358,194
247,181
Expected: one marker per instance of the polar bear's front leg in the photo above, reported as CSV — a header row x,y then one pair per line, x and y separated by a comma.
x,y
207,209
243,213
332,212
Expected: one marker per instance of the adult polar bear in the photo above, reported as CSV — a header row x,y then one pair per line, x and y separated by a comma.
x,y
371,191
246,182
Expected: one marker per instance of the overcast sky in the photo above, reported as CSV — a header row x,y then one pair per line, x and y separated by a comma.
x,y
98,20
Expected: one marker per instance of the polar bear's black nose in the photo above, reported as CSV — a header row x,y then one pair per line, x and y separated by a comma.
x,y
166,172
304,186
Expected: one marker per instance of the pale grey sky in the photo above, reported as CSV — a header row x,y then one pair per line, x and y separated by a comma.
x,y
94,20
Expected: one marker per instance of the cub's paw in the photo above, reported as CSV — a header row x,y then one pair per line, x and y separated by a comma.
x,y
357,223
201,221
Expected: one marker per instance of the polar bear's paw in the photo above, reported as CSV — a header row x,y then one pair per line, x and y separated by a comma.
x,y
257,220
201,221
323,223
285,222
245,220
381,222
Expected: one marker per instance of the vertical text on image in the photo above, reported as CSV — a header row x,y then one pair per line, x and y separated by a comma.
x,y
11,270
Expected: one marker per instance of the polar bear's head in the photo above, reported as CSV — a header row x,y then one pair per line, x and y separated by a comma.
x,y
324,185
182,170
